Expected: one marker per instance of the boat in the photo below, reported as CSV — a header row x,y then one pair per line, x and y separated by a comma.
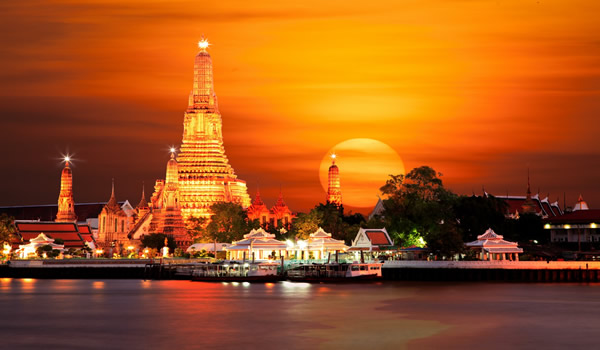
x,y
335,272
235,271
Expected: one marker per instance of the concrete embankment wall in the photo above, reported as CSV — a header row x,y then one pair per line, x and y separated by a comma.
x,y
524,271
75,272
89,268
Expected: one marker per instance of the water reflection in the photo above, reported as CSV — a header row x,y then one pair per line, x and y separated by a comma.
x,y
190,315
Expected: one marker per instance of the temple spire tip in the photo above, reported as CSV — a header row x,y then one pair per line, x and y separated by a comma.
x,y
203,44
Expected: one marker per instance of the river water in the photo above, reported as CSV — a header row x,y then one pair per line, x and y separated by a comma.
x,y
132,314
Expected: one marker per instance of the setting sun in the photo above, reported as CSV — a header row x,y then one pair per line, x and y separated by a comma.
x,y
365,165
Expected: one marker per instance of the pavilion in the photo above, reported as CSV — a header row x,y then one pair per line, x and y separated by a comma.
x,y
258,244
26,250
491,246
68,232
318,245
371,239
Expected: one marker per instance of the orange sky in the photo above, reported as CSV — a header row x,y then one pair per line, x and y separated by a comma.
x,y
479,90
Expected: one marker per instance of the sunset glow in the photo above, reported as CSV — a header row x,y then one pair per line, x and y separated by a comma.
x,y
478,90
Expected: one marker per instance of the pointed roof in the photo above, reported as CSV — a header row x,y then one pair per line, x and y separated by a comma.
x,y
493,242
490,235
257,200
143,204
41,238
258,239
323,240
112,204
280,202
581,204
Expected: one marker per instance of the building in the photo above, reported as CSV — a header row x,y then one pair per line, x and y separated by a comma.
x,y
66,204
257,245
68,232
319,245
334,191
29,250
518,205
278,216
578,226
371,239
205,175
491,246
163,213
113,224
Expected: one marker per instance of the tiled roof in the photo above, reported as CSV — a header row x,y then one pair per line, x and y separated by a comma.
x,y
377,238
578,216
67,231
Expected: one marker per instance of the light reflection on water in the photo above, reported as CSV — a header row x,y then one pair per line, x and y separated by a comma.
x,y
119,314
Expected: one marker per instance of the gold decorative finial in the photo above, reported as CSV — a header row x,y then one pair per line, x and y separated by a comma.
x,y
203,43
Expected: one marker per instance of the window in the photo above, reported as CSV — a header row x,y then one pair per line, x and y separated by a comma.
x,y
122,225
103,224
115,225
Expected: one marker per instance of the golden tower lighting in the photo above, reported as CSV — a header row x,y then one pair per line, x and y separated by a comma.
x,y
205,175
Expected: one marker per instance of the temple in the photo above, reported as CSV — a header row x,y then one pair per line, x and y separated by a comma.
x,y
205,176
334,192
113,224
278,216
66,205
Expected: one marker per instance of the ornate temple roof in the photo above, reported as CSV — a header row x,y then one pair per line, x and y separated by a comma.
x,y
581,204
67,231
112,205
491,239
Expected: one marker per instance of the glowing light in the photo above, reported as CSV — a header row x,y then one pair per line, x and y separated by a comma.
x,y
333,156
172,150
302,244
289,243
130,247
67,159
547,226
203,43
567,226
593,225
364,167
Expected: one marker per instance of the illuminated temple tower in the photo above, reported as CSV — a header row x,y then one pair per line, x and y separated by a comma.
x,y
205,176
334,192
166,210
66,205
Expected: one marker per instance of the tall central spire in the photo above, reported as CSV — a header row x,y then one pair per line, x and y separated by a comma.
x,y
205,175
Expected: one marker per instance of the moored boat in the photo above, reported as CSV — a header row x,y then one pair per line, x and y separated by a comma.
x,y
334,272
233,271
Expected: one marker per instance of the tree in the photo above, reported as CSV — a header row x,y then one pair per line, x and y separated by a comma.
x,y
306,223
476,214
157,241
196,228
418,207
7,229
330,217
228,222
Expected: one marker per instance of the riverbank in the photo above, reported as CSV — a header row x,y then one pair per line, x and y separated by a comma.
x,y
404,270
508,271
